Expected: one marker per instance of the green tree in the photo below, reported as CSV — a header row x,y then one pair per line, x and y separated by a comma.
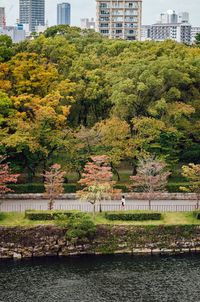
x,y
192,174
197,39
6,48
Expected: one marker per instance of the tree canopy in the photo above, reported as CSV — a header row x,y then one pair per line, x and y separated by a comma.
x,y
69,94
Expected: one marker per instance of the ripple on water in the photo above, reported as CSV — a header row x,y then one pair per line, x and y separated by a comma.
x,y
99,279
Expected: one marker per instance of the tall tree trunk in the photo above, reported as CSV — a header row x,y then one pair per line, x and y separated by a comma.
x,y
149,204
115,171
79,174
50,205
94,210
100,207
198,197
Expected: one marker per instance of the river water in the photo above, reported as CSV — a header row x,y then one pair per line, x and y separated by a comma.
x,y
103,278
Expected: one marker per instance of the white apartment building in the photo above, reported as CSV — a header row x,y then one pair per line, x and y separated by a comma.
x,y
170,26
146,32
87,23
17,33
194,32
119,19
180,32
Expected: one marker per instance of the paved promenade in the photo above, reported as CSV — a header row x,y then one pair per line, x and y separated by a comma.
x,y
20,205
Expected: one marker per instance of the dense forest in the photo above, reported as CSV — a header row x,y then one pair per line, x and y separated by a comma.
x,y
69,94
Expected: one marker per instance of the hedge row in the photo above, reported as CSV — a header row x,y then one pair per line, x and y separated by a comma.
x,y
133,216
2,216
72,188
47,215
39,188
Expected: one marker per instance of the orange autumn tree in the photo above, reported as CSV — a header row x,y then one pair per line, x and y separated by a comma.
x,y
97,182
54,179
6,176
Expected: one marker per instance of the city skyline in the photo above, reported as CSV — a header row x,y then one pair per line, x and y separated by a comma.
x,y
87,8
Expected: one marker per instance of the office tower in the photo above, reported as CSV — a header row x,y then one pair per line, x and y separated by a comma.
x,y
88,23
169,17
184,17
32,12
64,13
2,17
119,19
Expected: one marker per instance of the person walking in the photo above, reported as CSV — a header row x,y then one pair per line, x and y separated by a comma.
x,y
123,202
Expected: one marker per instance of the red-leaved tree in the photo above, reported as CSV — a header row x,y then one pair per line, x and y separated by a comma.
x,y
97,182
152,176
6,176
54,179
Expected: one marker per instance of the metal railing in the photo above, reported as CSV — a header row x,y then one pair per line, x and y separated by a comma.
x,y
87,207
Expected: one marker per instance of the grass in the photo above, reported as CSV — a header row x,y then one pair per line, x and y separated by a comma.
x,y
169,218
18,219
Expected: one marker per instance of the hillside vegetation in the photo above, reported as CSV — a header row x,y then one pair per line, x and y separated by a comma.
x,y
69,94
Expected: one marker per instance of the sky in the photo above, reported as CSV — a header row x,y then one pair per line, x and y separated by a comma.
x,y
86,8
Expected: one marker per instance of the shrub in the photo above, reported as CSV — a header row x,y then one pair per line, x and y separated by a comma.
x,y
174,187
123,188
196,214
2,216
47,215
80,226
133,216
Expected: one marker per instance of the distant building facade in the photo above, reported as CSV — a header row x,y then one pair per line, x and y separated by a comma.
x,y
40,28
169,17
169,26
32,12
119,19
63,13
194,32
2,17
17,33
175,31
88,23
184,17
145,32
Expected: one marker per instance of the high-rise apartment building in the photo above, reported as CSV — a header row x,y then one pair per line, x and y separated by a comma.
x,y
2,17
63,13
32,12
119,19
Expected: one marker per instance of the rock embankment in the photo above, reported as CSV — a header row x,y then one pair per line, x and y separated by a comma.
x,y
41,241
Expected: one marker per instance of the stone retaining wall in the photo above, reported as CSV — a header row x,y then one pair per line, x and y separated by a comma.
x,y
45,241
129,196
